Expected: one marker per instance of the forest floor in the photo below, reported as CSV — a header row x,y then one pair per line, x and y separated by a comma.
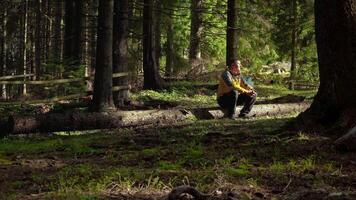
x,y
256,158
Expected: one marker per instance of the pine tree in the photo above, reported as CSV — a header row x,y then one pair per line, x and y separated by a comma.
x,y
335,102
152,78
103,98
120,48
232,32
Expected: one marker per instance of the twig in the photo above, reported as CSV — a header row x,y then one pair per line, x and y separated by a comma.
x,y
286,187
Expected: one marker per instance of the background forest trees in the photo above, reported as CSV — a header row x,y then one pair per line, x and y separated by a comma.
x,y
57,39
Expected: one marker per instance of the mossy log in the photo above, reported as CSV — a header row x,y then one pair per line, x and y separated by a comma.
x,y
54,122
257,111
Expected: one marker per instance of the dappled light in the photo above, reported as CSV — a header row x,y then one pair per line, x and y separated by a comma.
x,y
177,99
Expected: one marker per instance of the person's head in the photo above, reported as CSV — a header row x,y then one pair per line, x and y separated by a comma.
x,y
235,67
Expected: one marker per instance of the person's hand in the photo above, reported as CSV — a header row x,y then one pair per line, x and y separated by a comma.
x,y
252,93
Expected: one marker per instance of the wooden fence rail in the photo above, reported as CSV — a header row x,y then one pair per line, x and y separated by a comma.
x,y
57,81
15,76
5,80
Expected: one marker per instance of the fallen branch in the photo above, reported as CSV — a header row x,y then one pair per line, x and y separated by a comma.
x,y
177,192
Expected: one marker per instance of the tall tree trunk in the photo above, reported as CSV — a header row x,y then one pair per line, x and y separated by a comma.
x,y
68,37
232,32
335,101
57,32
73,33
93,11
293,69
78,29
85,35
102,98
38,39
158,17
120,48
47,27
196,29
4,66
152,79
25,33
170,44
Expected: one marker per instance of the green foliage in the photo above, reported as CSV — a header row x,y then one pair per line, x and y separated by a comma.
x,y
254,153
73,178
74,144
174,95
4,160
305,47
167,165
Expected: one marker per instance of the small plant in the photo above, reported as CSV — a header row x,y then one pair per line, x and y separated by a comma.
x,y
4,161
308,163
73,178
303,137
166,165
278,168
150,152
241,170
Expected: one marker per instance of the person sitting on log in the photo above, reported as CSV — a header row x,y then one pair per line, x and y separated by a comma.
x,y
233,90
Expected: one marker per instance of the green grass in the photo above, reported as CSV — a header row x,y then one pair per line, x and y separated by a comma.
x,y
208,154
64,144
196,94
188,155
275,90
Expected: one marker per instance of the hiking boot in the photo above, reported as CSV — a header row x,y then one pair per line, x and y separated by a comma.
x,y
244,115
226,113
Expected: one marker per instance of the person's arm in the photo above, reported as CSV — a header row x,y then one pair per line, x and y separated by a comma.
x,y
246,85
228,79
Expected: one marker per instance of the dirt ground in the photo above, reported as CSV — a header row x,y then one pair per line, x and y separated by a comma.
x,y
252,159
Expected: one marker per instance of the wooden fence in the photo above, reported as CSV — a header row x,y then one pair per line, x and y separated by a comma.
x,y
7,80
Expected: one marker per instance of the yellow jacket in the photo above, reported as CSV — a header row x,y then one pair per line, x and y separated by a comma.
x,y
228,82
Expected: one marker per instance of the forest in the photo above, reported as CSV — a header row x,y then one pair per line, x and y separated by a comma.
x,y
178,99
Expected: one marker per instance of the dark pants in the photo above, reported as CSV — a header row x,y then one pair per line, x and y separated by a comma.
x,y
230,100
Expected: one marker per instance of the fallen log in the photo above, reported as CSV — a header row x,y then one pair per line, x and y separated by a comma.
x,y
54,122
348,141
257,111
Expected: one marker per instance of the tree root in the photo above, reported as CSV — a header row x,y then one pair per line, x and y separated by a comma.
x,y
177,192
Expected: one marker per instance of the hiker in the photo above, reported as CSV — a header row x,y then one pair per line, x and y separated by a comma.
x,y
233,90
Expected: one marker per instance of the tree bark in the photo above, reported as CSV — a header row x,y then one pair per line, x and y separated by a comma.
x,y
170,44
103,98
196,29
73,33
24,50
93,9
4,64
158,20
47,29
152,78
38,39
335,102
120,48
53,122
293,68
57,32
232,32
90,121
